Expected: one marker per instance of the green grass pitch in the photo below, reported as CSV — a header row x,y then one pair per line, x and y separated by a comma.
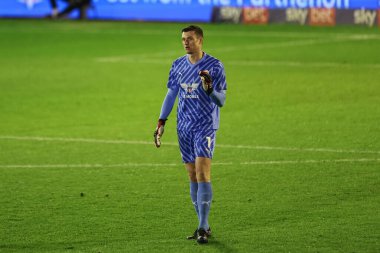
x,y
296,167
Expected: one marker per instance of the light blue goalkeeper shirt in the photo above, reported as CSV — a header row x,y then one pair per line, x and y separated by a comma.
x,y
196,110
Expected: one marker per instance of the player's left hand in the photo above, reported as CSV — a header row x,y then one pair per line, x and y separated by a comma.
x,y
159,132
206,81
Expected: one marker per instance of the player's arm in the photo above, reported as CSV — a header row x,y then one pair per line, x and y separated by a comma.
x,y
166,108
218,97
168,103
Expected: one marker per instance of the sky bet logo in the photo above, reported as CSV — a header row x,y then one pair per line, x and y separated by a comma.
x,y
296,15
30,3
365,17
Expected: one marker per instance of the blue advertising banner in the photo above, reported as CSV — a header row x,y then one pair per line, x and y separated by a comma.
x,y
283,4
152,10
145,10
170,10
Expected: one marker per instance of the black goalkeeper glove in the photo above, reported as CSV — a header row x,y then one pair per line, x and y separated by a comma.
x,y
206,81
159,132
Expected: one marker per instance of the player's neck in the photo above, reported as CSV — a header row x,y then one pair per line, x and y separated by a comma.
x,y
195,57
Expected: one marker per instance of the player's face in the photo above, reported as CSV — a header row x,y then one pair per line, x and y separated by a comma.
x,y
191,42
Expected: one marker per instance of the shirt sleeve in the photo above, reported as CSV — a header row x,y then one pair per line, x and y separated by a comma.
x,y
219,77
168,103
172,84
219,98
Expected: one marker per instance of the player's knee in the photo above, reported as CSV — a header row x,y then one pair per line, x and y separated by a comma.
x,y
203,176
193,176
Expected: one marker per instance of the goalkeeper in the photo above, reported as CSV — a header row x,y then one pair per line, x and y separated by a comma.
x,y
199,81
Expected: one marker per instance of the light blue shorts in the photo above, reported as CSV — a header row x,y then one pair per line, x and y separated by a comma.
x,y
194,144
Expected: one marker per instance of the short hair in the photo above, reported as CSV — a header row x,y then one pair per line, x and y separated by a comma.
x,y
196,29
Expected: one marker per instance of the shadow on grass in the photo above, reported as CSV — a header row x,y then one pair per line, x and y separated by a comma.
x,y
221,247
48,247
91,246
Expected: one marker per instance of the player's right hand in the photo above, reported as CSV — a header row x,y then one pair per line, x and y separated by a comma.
x,y
159,132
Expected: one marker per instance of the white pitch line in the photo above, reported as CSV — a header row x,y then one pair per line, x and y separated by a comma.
x,y
157,57
310,161
84,140
86,165
297,64
146,58
134,60
314,39
299,35
327,150
162,57
270,45
245,34
128,165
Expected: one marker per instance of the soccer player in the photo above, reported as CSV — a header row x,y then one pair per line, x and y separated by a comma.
x,y
199,81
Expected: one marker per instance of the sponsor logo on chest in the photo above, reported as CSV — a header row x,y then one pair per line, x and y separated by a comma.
x,y
189,89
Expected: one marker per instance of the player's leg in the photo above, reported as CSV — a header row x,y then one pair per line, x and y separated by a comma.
x,y
204,197
185,140
205,143
190,167
203,169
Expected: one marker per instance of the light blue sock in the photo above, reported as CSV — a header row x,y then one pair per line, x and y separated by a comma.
x,y
204,203
193,194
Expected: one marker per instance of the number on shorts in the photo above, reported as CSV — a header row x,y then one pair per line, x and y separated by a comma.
x,y
208,141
